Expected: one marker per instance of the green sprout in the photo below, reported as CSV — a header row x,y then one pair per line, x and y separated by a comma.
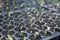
x,y
9,24
30,21
9,15
9,37
7,8
0,5
33,10
22,4
42,11
30,31
19,16
14,3
21,34
40,2
24,38
0,13
58,4
35,34
45,33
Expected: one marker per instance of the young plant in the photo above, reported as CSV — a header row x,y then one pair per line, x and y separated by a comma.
x,y
42,11
35,34
40,2
22,4
9,15
24,38
58,5
9,37
0,4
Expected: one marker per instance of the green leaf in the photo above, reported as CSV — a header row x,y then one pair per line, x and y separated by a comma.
x,y
9,37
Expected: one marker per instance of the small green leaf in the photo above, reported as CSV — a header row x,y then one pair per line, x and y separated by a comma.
x,y
25,38
9,37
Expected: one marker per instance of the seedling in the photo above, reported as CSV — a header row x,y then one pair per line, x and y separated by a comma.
x,y
35,34
40,2
42,11
9,37
7,8
9,15
24,38
58,5
22,4
0,4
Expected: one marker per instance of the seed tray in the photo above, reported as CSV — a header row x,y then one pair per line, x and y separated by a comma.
x,y
28,23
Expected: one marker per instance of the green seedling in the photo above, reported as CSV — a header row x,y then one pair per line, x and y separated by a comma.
x,y
31,25
9,24
37,14
9,15
0,13
29,18
22,4
9,37
0,4
30,31
19,16
24,38
33,10
58,5
28,13
40,2
42,11
45,33
35,34
14,4
7,8
21,33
